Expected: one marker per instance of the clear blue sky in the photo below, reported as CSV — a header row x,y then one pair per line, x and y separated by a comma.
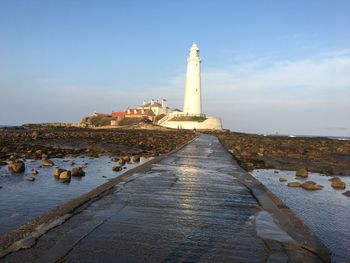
x,y
267,65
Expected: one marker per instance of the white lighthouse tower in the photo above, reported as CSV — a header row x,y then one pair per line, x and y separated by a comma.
x,y
193,100
188,119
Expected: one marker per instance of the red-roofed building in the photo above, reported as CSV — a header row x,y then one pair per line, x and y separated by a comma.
x,y
136,113
96,114
118,115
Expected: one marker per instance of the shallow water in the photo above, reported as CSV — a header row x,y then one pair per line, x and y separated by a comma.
x,y
326,212
22,200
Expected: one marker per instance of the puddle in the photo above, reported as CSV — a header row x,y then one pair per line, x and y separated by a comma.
x,y
22,200
266,228
326,211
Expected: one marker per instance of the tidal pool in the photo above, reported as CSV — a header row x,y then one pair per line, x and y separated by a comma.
x,y
22,200
326,211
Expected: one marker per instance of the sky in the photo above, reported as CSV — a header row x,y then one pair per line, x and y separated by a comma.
x,y
267,66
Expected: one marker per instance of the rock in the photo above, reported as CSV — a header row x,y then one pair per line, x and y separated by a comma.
x,y
121,162
38,152
294,184
47,163
126,158
347,193
310,185
338,184
30,178
57,171
2,163
16,166
334,179
35,135
34,172
302,173
44,157
65,175
276,171
78,171
117,168
283,179
136,158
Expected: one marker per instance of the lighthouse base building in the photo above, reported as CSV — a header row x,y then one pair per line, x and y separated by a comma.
x,y
191,117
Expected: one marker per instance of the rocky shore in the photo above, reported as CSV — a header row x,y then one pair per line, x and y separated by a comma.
x,y
322,155
45,142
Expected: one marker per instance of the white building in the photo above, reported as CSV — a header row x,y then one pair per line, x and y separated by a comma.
x,y
192,116
157,107
193,98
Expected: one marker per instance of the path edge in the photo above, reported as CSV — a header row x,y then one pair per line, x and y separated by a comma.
x,y
285,217
26,235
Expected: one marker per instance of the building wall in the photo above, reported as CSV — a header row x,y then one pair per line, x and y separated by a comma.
x,y
211,123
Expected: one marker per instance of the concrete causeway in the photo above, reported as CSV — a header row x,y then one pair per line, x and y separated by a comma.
x,y
190,207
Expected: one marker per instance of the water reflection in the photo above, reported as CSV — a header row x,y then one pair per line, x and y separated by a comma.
x,y
22,200
326,211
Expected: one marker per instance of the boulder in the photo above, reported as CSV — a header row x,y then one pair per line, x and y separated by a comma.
x,y
338,184
347,193
136,158
16,166
310,185
57,171
283,179
34,172
78,171
47,162
294,184
334,179
117,168
126,158
35,135
302,173
65,175
115,159
121,162
30,178
2,163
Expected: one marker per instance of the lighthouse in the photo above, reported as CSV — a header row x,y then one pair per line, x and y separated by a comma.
x,y
188,119
193,99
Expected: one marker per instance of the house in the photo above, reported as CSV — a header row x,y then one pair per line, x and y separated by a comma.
x,y
137,113
118,115
96,114
157,107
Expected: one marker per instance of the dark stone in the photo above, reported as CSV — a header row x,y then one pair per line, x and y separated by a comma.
x,y
78,171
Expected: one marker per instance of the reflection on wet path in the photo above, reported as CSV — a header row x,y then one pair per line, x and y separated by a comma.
x,y
187,208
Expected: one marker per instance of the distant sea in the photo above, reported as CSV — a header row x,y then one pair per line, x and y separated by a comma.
x,y
342,138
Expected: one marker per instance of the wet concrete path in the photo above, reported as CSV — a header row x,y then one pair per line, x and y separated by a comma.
x,y
190,207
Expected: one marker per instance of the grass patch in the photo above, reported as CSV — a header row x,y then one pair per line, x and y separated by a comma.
x,y
100,120
130,121
188,118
